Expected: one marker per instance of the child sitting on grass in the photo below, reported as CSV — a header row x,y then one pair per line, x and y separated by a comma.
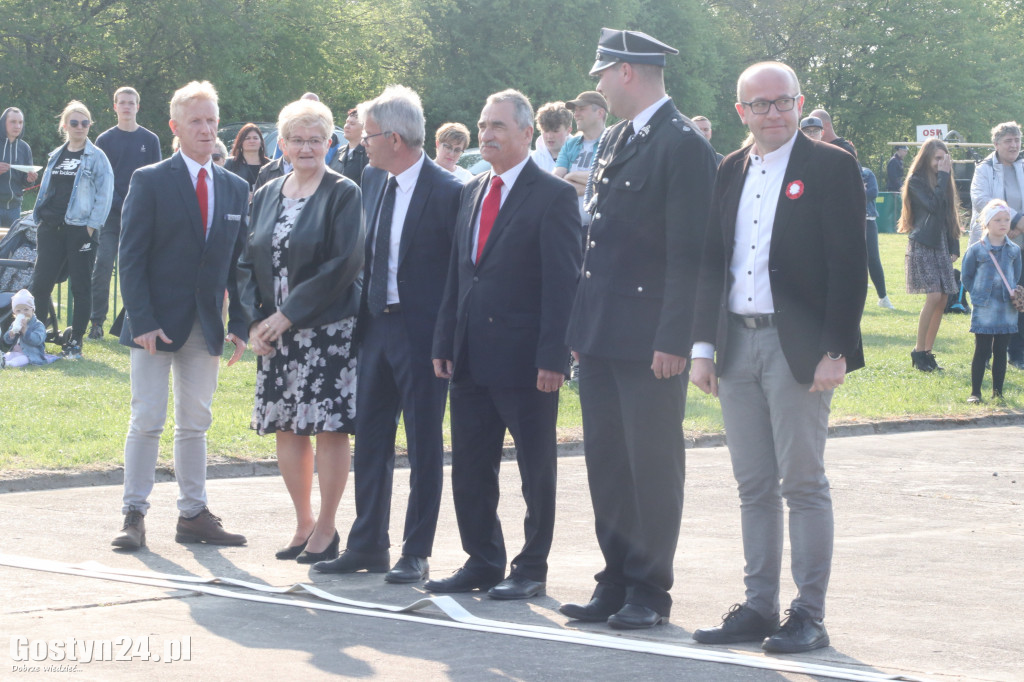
x,y
991,269
26,334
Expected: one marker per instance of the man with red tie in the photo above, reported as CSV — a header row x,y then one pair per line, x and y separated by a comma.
x,y
182,230
500,338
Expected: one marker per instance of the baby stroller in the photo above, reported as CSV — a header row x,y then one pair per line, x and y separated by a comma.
x,y
17,261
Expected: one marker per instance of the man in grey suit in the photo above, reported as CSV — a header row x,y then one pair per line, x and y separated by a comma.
x,y
779,300
183,229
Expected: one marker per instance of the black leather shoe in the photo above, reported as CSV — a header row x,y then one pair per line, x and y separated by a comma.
x,y
289,553
516,587
799,633
352,560
409,569
596,610
331,552
463,580
635,617
741,624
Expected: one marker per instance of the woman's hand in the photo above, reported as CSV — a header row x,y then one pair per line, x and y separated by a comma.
x,y
945,163
268,331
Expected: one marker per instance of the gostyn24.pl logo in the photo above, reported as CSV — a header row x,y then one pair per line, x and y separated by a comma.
x,y
30,653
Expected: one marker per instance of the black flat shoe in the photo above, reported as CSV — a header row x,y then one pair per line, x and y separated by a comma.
x,y
597,610
289,553
517,587
330,553
635,617
463,580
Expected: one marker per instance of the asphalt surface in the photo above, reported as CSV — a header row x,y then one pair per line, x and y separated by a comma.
x,y
926,583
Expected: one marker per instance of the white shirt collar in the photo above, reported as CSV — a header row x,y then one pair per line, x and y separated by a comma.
x,y
642,119
779,155
407,178
194,166
508,178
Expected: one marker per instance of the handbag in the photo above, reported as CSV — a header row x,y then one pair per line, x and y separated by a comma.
x,y
1016,293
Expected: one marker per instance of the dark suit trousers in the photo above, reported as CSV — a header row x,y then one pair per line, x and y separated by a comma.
x,y
636,463
480,416
397,376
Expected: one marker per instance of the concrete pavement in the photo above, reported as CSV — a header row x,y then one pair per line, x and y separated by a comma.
x,y
927,578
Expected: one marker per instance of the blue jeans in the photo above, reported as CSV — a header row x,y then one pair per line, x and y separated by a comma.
x,y
9,215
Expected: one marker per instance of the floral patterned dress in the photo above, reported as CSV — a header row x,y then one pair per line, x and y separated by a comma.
x,y
307,383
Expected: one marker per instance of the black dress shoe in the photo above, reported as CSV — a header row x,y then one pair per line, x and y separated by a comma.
x,y
596,610
741,624
352,560
463,580
799,633
516,587
635,617
289,553
331,552
409,569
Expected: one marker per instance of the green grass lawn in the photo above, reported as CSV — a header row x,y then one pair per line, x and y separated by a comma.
x,y
75,414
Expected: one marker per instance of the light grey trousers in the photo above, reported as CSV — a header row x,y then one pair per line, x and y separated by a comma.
x,y
776,431
195,380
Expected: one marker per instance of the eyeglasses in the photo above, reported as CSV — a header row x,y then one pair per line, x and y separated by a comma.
x,y
312,143
452,150
761,107
218,157
75,123
364,137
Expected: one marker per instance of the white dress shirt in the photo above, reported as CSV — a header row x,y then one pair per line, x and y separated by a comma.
x,y
508,178
751,290
403,197
193,171
641,119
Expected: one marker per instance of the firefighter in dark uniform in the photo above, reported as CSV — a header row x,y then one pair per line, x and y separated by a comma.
x,y
631,327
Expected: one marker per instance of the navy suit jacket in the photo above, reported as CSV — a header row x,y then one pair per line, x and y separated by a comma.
x,y
171,274
504,317
817,260
425,246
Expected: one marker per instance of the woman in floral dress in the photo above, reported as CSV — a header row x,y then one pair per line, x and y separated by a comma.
x,y
299,278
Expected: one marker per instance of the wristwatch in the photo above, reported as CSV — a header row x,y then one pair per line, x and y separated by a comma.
x,y
834,356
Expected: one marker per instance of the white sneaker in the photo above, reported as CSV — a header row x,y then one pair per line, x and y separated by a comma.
x,y
884,302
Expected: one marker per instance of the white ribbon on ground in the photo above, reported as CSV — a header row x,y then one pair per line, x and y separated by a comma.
x,y
459,617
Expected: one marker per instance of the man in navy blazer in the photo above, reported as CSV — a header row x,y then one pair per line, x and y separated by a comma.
x,y
500,338
779,301
410,204
183,229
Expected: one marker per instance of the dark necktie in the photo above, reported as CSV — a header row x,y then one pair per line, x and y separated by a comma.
x,y
377,296
202,198
625,138
488,214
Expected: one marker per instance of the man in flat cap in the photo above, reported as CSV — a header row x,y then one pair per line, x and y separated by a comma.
x,y
630,326
590,109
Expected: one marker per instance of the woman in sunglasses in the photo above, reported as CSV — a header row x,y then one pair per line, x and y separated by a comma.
x,y
74,199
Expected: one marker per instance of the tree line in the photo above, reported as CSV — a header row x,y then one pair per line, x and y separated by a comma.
x,y
880,67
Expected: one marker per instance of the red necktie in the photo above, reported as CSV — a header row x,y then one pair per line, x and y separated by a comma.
x,y
201,197
488,214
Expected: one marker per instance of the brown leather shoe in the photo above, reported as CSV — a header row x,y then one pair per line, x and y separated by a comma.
x,y
133,533
205,527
